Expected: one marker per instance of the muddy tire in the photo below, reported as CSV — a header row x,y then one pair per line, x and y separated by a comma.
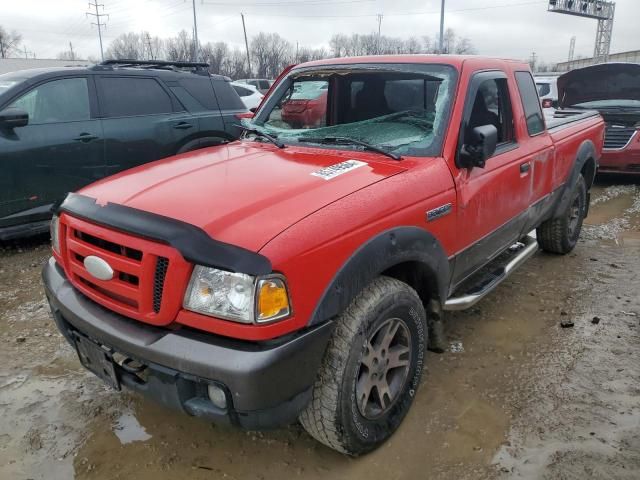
x,y
560,235
371,369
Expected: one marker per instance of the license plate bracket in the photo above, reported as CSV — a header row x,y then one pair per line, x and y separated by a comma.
x,y
97,360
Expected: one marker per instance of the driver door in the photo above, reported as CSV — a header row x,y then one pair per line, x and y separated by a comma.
x,y
493,200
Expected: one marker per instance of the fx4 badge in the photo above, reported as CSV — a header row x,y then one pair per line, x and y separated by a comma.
x,y
438,212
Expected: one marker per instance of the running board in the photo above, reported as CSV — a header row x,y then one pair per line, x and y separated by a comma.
x,y
488,282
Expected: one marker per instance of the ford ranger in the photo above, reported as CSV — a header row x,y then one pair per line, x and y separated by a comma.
x,y
303,271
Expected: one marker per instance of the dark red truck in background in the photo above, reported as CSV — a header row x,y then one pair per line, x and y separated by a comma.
x,y
613,89
303,271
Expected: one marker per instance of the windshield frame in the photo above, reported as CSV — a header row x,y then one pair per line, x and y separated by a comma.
x,y
425,68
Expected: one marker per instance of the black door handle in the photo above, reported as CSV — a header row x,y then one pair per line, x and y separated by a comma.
x,y
182,125
85,137
525,167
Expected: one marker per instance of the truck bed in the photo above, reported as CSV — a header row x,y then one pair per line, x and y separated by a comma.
x,y
564,117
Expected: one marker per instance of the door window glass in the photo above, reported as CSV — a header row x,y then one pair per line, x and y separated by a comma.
x,y
492,106
124,97
530,103
58,101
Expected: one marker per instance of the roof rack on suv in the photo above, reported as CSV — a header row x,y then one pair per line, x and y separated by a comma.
x,y
198,67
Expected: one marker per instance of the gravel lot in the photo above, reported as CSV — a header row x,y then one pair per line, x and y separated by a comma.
x,y
518,395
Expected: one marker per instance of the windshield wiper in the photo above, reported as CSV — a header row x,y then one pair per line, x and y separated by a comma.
x,y
350,141
262,134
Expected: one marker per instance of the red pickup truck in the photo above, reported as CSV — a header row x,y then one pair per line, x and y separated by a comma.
x,y
302,273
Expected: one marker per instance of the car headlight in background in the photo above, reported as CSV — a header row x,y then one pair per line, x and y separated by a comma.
x,y
236,296
54,228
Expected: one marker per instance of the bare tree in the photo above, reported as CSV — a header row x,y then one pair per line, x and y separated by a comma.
x,y
128,45
68,55
215,54
180,48
270,54
9,42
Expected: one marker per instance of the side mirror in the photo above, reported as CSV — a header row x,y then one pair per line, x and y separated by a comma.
x,y
11,118
480,147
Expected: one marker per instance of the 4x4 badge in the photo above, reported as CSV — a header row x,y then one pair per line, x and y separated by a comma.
x,y
438,212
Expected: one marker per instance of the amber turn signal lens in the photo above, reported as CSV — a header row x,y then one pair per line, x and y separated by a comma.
x,y
273,300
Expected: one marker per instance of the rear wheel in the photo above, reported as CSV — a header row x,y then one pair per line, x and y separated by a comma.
x,y
371,369
560,235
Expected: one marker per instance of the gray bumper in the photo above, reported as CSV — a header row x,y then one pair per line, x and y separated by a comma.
x,y
267,383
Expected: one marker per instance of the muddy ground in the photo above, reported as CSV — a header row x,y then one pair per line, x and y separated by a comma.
x,y
518,395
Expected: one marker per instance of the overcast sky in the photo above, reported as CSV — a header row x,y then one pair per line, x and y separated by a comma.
x,y
505,28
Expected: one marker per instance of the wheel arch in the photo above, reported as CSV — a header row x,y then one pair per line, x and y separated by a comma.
x,y
409,254
585,164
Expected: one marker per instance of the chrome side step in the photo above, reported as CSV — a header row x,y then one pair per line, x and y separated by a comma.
x,y
526,248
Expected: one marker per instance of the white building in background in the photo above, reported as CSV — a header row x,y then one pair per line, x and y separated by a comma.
x,y
630,57
14,64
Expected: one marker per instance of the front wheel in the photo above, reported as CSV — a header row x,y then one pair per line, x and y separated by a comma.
x,y
560,235
371,369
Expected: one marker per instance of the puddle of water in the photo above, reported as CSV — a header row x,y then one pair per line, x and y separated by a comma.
x,y
128,429
629,239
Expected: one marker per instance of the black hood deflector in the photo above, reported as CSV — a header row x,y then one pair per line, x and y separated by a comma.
x,y
606,81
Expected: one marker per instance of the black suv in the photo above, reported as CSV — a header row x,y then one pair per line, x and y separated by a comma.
x,y
62,128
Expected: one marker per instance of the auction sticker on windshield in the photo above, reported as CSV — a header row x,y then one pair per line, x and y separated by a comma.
x,y
332,171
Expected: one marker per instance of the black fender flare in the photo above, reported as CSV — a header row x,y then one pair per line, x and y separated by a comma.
x,y
202,142
384,251
586,153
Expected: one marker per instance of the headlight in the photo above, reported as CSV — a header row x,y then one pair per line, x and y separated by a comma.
x,y
232,296
55,229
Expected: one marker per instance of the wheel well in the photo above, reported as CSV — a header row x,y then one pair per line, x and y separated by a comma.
x,y
589,171
417,276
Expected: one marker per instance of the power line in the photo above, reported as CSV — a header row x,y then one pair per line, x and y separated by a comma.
x,y
97,16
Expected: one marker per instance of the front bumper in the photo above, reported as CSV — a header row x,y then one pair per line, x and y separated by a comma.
x,y
267,384
626,160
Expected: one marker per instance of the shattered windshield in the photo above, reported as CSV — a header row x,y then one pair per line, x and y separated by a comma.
x,y
401,108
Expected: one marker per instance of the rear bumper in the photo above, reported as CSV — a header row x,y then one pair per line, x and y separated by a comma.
x,y
266,384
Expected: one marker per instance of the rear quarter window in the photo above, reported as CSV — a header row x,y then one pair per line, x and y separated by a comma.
x,y
227,96
530,102
201,89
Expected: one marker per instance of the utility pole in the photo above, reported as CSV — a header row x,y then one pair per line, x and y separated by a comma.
x,y
246,44
147,39
441,44
27,53
98,23
195,33
532,61
379,26
572,50
72,55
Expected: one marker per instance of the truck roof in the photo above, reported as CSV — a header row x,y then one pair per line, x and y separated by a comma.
x,y
453,60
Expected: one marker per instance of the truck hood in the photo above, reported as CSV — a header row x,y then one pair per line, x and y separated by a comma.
x,y
607,81
244,193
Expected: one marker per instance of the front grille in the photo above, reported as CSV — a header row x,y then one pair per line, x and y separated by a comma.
x,y
158,282
616,138
141,270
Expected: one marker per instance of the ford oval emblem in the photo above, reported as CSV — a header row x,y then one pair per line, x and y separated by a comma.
x,y
98,268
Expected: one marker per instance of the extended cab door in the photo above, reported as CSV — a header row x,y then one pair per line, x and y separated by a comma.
x,y
537,149
59,151
493,200
142,122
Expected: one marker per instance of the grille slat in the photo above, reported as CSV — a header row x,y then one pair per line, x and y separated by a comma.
x,y
616,138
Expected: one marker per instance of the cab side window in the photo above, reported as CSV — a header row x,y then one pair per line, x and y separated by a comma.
x,y
492,106
58,101
531,102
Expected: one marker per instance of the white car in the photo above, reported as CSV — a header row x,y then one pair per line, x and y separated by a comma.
x,y
548,93
249,94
